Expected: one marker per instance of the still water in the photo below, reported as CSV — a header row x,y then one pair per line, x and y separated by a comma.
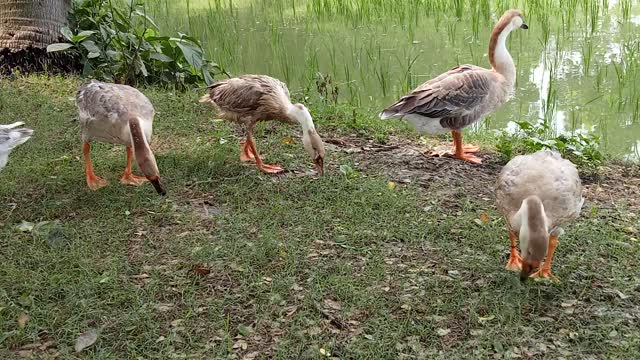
x,y
577,65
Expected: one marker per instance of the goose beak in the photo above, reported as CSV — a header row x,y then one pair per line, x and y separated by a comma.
x,y
524,26
527,269
319,164
158,186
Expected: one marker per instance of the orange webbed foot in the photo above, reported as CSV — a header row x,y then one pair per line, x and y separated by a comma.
x,y
514,263
130,179
468,148
271,169
545,274
95,182
470,158
246,155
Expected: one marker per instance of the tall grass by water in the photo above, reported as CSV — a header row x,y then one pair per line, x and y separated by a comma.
x,y
577,64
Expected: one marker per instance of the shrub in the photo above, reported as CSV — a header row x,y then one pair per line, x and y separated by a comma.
x,y
120,43
584,150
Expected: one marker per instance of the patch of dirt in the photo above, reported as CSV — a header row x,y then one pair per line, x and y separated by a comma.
x,y
614,185
35,60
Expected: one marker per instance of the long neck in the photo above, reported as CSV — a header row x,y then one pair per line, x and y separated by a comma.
x,y
533,226
144,157
303,118
499,56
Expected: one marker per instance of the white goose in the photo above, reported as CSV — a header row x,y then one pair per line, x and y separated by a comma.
x,y
464,94
10,137
118,114
537,193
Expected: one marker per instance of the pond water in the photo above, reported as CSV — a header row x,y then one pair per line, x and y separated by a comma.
x,y
577,65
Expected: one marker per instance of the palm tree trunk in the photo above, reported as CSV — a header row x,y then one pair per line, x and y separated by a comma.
x,y
31,23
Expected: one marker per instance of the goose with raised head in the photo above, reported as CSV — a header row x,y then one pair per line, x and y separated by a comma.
x,y
537,194
464,94
248,99
118,114
11,136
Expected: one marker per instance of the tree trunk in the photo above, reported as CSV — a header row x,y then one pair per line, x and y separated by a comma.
x,y
35,23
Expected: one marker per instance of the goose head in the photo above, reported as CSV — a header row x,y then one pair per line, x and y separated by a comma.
x,y
312,142
533,234
511,20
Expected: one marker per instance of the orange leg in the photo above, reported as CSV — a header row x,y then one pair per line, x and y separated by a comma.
x,y
464,152
127,176
545,269
93,181
515,261
246,154
269,169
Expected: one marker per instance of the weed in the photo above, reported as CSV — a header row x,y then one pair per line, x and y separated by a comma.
x,y
122,44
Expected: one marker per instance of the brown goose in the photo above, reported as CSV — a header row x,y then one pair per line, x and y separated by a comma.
x,y
248,99
118,114
464,94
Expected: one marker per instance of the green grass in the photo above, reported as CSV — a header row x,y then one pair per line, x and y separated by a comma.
x,y
291,267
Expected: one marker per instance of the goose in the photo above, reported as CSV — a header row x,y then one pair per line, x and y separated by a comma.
x,y
248,99
464,94
10,137
118,114
537,194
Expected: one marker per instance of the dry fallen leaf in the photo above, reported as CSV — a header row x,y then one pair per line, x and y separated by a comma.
x,y
240,344
22,320
484,218
201,270
288,140
443,332
622,295
333,304
86,339
569,303
486,318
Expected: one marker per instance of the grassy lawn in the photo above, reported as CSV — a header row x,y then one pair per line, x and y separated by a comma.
x,y
236,264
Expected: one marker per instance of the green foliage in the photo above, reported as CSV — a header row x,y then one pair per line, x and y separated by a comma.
x,y
121,43
581,149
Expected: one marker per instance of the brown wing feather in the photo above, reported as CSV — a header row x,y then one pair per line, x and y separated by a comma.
x,y
247,93
451,94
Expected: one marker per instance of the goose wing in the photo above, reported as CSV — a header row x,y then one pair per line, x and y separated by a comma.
x,y
246,93
546,174
452,94
12,136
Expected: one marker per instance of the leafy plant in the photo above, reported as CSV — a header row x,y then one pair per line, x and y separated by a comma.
x,y
120,43
582,149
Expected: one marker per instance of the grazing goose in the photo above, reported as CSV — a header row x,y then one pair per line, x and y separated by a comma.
x,y
10,137
464,94
118,114
248,99
537,193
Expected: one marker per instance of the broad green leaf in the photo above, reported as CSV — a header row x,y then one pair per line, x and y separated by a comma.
x,y
91,46
114,54
140,67
191,53
87,69
160,57
67,33
59,47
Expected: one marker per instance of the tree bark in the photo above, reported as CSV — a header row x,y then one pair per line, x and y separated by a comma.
x,y
32,23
